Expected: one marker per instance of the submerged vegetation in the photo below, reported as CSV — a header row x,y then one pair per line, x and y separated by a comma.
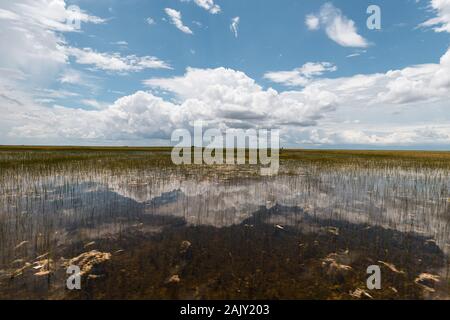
x,y
142,228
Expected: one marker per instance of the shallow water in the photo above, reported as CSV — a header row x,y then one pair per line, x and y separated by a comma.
x,y
309,232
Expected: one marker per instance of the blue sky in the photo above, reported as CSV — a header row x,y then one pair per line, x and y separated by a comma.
x,y
272,36
137,70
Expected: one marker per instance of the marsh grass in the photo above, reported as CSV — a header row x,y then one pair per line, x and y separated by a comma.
x,y
56,199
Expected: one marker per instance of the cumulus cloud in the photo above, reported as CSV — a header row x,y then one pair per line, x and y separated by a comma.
x,y
338,27
300,76
402,136
418,83
358,110
234,26
231,97
440,23
140,115
115,62
175,19
221,97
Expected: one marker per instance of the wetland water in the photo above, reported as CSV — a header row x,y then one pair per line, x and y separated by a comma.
x,y
141,228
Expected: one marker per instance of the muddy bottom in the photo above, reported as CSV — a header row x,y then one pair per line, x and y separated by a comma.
x,y
303,258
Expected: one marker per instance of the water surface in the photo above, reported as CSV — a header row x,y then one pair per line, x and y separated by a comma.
x,y
203,232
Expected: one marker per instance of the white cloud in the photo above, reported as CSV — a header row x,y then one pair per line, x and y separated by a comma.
x,y
29,37
115,62
208,5
338,27
375,109
222,97
234,26
300,76
121,43
80,79
312,22
441,22
230,97
352,55
34,31
71,76
94,103
33,40
175,19
45,14
150,21
140,115
8,15
401,136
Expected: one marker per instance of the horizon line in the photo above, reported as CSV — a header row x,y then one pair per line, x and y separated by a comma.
x,y
382,148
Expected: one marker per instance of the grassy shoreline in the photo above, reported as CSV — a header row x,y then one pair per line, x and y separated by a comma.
x,y
30,155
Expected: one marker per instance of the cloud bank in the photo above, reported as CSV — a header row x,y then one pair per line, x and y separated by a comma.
x,y
226,98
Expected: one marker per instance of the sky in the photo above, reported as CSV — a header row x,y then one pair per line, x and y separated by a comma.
x,y
130,72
